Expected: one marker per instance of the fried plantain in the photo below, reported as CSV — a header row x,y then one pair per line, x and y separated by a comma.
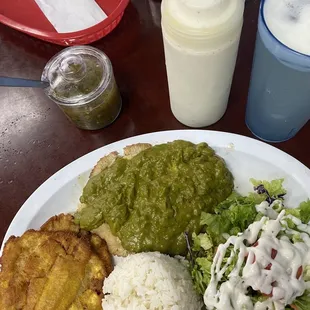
x,y
65,222
59,267
61,222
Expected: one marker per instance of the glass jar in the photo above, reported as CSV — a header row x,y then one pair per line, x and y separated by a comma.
x,y
82,83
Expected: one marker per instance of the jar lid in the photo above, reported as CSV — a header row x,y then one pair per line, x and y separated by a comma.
x,y
207,17
77,75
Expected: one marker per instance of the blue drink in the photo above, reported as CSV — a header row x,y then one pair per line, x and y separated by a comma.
x,y
279,97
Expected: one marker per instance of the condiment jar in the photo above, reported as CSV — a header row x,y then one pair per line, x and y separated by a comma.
x,y
82,84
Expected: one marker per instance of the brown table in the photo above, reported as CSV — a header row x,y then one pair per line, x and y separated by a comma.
x,y
36,139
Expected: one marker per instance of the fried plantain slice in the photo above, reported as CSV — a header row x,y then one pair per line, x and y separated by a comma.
x,y
61,222
65,222
58,267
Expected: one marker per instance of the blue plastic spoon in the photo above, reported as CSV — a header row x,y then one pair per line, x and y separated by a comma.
x,y
17,82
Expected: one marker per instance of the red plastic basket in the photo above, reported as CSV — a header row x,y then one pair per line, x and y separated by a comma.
x,y
27,17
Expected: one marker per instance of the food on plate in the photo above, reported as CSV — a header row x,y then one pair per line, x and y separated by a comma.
x,y
239,252
65,222
254,253
114,243
150,281
58,267
61,222
152,195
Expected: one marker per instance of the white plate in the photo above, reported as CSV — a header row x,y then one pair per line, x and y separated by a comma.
x,y
246,158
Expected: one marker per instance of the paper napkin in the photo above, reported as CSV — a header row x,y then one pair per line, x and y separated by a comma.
x,y
71,15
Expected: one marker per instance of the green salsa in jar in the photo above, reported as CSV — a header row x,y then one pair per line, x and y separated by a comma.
x,y
82,83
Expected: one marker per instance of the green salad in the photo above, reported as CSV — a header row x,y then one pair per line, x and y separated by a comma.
x,y
253,252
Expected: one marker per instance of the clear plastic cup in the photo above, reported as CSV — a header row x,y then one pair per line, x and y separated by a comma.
x,y
279,96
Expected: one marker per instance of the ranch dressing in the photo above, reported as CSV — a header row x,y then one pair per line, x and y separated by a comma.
x,y
267,262
201,39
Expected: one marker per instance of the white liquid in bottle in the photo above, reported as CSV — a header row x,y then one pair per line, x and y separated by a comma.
x,y
201,39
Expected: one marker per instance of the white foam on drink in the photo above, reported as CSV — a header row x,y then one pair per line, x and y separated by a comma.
x,y
289,21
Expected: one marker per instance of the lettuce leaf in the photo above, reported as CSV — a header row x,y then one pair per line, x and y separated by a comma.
x,y
201,241
201,270
303,302
305,211
302,212
274,188
257,296
231,217
203,254
306,274
216,225
201,274
269,191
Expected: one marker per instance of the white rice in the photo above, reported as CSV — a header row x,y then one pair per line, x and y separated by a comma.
x,y
150,281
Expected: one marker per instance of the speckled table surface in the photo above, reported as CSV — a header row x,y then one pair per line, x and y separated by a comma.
x,y
36,139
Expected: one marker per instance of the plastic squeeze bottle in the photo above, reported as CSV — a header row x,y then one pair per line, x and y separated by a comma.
x,y
201,40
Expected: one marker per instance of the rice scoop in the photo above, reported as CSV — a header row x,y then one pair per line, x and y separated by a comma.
x,y
150,281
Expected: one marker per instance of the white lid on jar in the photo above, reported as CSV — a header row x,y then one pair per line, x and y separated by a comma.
x,y
77,75
202,17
